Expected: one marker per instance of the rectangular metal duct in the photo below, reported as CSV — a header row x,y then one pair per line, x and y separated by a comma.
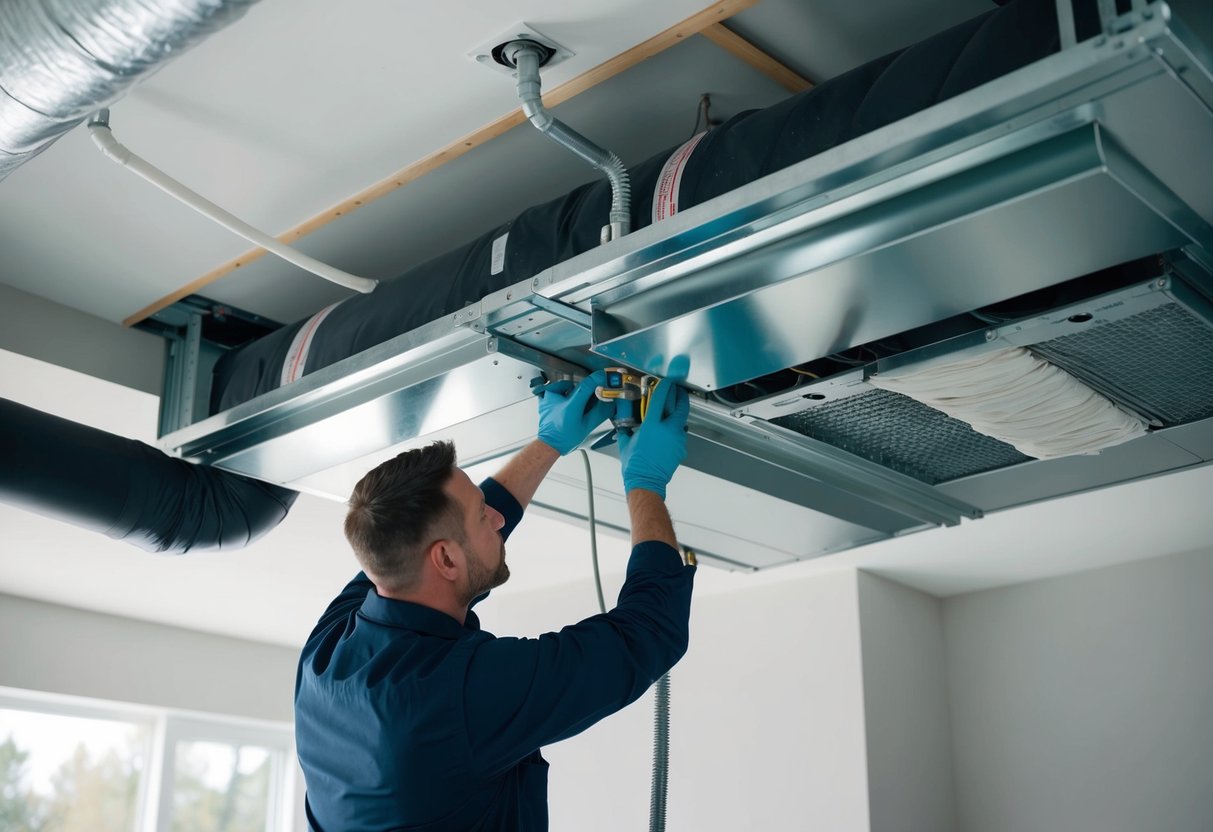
x,y
1094,156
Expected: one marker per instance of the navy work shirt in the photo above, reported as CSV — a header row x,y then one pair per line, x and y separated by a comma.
x,y
406,719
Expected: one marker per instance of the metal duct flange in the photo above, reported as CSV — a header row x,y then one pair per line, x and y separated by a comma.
x,y
63,59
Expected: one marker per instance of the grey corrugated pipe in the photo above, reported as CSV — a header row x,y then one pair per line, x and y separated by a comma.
x,y
61,60
660,783
526,56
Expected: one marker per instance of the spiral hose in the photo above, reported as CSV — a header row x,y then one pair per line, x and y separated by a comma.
x,y
661,693
661,754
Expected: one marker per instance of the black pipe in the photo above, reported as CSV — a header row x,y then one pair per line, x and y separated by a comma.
x,y
127,489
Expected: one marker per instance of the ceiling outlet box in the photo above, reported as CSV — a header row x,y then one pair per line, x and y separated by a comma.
x,y
489,52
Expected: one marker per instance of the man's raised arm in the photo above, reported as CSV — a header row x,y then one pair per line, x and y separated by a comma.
x,y
649,457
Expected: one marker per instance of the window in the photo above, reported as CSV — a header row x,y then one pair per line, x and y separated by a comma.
x,y
70,765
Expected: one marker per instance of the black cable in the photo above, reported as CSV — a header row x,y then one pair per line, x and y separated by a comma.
x,y
589,490
701,113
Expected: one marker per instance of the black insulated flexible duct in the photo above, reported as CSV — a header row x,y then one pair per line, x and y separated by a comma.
x,y
128,490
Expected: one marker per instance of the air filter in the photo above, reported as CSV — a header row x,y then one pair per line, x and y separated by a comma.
x,y
1016,397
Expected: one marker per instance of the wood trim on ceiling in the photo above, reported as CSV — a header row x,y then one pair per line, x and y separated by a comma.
x,y
693,25
740,48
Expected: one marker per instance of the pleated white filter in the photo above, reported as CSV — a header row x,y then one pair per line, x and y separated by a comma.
x,y
1014,396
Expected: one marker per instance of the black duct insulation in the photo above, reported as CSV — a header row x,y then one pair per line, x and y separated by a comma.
x,y
745,148
128,490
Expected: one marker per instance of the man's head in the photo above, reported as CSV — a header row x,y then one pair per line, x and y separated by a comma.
x,y
418,511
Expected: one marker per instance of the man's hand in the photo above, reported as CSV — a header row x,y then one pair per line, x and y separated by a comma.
x,y
568,414
654,451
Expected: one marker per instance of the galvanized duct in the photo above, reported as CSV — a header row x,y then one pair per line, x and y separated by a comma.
x,y
63,59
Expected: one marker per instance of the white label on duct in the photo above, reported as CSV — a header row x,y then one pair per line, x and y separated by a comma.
x,y
296,356
497,265
665,194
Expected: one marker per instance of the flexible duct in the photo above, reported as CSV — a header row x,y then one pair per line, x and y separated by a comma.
x,y
126,489
527,57
63,59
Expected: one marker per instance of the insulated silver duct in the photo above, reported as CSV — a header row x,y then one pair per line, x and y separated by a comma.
x,y
63,59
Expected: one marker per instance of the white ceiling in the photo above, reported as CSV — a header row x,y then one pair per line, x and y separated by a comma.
x,y
302,104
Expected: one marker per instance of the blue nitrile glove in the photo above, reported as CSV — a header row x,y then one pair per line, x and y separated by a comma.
x,y
568,413
652,453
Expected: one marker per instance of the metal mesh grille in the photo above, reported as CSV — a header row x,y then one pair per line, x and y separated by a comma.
x,y
899,433
1159,362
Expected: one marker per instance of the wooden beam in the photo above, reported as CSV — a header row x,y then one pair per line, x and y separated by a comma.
x,y
693,25
739,47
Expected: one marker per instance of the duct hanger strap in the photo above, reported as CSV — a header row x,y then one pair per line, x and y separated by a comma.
x,y
669,183
103,137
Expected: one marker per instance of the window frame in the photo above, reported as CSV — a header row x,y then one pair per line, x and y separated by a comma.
x,y
167,727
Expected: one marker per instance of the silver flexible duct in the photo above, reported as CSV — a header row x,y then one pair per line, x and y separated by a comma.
x,y
527,57
61,60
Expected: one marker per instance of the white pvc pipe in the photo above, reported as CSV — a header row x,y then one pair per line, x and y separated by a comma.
x,y
103,137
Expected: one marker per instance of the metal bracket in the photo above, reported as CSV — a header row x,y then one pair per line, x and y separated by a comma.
x,y
198,331
562,310
179,400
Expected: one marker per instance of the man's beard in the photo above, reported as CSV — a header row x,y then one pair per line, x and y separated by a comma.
x,y
480,579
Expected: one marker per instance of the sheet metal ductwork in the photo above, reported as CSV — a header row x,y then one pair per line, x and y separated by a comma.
x,y
63,59
128,490
982,190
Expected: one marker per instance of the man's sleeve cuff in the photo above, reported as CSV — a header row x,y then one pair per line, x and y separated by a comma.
x,y
496,495
656,556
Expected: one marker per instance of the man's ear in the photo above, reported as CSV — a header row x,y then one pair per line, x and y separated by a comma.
x,y
447,558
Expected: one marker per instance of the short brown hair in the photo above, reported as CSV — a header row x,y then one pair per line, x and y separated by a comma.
x,y
399,508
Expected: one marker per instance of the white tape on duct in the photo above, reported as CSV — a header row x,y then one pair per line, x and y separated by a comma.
x,y
1020,399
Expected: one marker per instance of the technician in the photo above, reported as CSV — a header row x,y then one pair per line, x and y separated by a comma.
x,y
407,714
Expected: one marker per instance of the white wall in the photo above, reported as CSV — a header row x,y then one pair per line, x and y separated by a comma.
x,y
48,647
767,716
909,738
57,334
1086,702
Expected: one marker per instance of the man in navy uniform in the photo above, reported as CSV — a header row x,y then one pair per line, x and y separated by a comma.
x,y
407,714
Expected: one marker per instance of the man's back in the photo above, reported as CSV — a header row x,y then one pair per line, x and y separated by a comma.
x,y
383,727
